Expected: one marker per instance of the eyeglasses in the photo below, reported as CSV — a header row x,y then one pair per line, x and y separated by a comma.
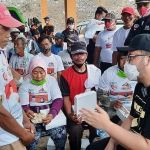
x,y
130,57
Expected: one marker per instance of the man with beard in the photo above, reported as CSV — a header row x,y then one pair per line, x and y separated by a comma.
x,y
53,62
73,81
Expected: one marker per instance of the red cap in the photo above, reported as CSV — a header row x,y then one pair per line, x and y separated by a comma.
x,y
129,10
7,20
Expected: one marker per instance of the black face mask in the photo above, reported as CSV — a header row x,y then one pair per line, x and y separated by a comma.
x,y
78,65
45,50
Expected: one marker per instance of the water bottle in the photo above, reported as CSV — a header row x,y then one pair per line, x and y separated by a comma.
x,y
102,133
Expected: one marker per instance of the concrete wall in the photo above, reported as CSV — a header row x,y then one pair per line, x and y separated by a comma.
x,y
85,9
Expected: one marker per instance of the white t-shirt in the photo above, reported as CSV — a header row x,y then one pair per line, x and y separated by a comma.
x,y
19,64
39,95
119,38
119,88
65,46
53,62
104,40
66,59
8,93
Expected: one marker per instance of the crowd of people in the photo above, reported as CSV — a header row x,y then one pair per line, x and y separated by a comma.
x,y
41,70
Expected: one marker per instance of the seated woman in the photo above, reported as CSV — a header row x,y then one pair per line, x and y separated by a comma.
x,y
39,92
115,88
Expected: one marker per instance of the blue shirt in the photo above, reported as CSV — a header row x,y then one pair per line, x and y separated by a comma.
x,y
55,49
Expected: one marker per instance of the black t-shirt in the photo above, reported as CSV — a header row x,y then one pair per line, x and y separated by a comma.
x,y
140,110
48,29
66,33
141,26
90,50
35,30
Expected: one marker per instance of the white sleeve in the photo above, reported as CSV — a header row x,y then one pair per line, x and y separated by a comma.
x,y
23,95
105,80
115,43
98,40
54,89
60,66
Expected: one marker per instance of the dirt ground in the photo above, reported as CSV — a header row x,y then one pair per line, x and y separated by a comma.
x,y
42,145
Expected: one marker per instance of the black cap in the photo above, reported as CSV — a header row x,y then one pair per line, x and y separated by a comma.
x,y
73,38
46,17
35,20
70,20
78,47
142,1
109,16
139,42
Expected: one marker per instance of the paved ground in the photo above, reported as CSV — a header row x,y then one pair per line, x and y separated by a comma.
x,y
43,142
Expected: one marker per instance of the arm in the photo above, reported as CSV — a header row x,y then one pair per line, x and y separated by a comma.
x,y
114,57
58,76
96,56
67,105
8,123
127,139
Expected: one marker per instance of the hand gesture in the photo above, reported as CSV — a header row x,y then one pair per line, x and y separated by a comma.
x,y
48,119
75,118
117,104
30,114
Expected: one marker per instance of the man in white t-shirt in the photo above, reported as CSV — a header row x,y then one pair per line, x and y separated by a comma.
x,y
103,44
15,128
21,60
53,62
65,54
128,17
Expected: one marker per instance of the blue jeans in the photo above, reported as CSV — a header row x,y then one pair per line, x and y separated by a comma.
x,y
58,135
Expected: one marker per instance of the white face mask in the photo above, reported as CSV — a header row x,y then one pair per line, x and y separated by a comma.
x,y
46,22
131,71
71,26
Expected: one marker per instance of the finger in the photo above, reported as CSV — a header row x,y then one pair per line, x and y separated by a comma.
x,y
99,109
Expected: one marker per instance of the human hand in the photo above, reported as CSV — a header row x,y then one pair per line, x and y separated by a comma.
x,y
27,138
111,145
75,118
29,127
99,119
117,104
48,119
30,114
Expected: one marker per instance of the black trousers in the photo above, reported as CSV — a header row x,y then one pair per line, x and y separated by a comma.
x,y
101,145
104,66
75,132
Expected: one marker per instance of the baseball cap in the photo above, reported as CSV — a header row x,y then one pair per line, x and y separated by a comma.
x,y
35,20
70,20
46,17
59,35
129,10
109,16
139,42
14,30
142,1
7,20
73,38
78,47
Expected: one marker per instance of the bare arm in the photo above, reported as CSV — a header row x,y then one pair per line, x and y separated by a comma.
x,y
58,76
67,105
96,56
8,123
114,57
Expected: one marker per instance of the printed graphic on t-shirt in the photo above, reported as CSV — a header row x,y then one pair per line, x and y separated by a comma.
x,y
109,42
124,93
40,97
50,68
20,69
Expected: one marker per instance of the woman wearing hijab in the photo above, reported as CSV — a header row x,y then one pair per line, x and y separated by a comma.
x,y
40,92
